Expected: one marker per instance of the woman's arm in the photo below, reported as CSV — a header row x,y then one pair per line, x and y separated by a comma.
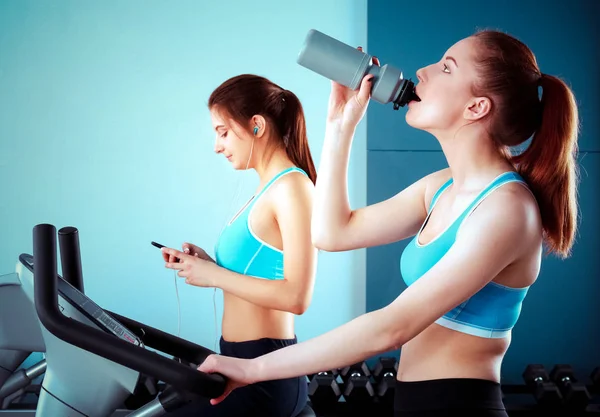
x,y
291,199
335,226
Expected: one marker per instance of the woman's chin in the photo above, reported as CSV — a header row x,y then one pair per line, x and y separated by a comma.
x,y
239,167
414,121
411,120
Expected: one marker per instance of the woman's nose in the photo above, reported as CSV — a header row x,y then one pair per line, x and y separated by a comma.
x,y
420,73
218,146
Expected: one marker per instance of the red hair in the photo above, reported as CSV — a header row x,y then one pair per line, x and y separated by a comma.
x,y
509,75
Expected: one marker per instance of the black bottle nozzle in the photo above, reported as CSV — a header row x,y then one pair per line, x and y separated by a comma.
x,y
406,95
413,96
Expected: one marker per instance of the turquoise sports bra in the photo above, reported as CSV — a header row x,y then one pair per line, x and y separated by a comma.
x,y
493,311
239,249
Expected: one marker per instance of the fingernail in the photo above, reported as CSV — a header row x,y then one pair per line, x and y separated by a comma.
x,y
195,254
186,250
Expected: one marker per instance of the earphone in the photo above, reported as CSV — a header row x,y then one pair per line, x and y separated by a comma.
x,y
255,130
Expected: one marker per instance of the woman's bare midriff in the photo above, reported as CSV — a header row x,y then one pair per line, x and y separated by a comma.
x,y
438,353
243,321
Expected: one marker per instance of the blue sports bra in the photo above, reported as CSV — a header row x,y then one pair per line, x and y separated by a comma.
x,y
493,311
239,249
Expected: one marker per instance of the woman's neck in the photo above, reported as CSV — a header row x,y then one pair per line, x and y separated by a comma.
x,y
271,164
473,159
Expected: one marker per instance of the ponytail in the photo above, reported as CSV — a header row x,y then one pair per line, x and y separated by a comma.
x,y
509,74
549,164
296,140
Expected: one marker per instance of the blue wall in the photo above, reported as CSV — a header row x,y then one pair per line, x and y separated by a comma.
x,y
561,315
104,126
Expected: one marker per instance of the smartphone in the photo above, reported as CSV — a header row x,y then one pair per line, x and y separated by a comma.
x,y
159,246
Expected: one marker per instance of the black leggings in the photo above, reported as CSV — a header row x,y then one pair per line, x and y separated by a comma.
x,y
280,398
448,398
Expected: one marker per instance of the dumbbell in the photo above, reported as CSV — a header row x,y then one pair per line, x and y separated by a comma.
x,y
358,389
334,372
575,394
360,367
545,392
323,389
384,374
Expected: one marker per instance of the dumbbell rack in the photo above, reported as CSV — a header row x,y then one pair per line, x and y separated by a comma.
x,y
358,390
355,389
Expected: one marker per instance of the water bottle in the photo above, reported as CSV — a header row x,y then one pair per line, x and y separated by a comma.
x,y
348,66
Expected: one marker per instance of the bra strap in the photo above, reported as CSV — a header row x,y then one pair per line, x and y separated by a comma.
x,y
502,179
275,178
439,192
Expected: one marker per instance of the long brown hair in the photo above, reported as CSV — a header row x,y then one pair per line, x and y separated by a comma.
x,y
509,75
247,95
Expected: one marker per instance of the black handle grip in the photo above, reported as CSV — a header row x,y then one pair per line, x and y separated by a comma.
x,y
100,343
70,257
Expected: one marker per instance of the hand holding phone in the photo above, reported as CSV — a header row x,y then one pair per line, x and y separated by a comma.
x,y
189,249
166,257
